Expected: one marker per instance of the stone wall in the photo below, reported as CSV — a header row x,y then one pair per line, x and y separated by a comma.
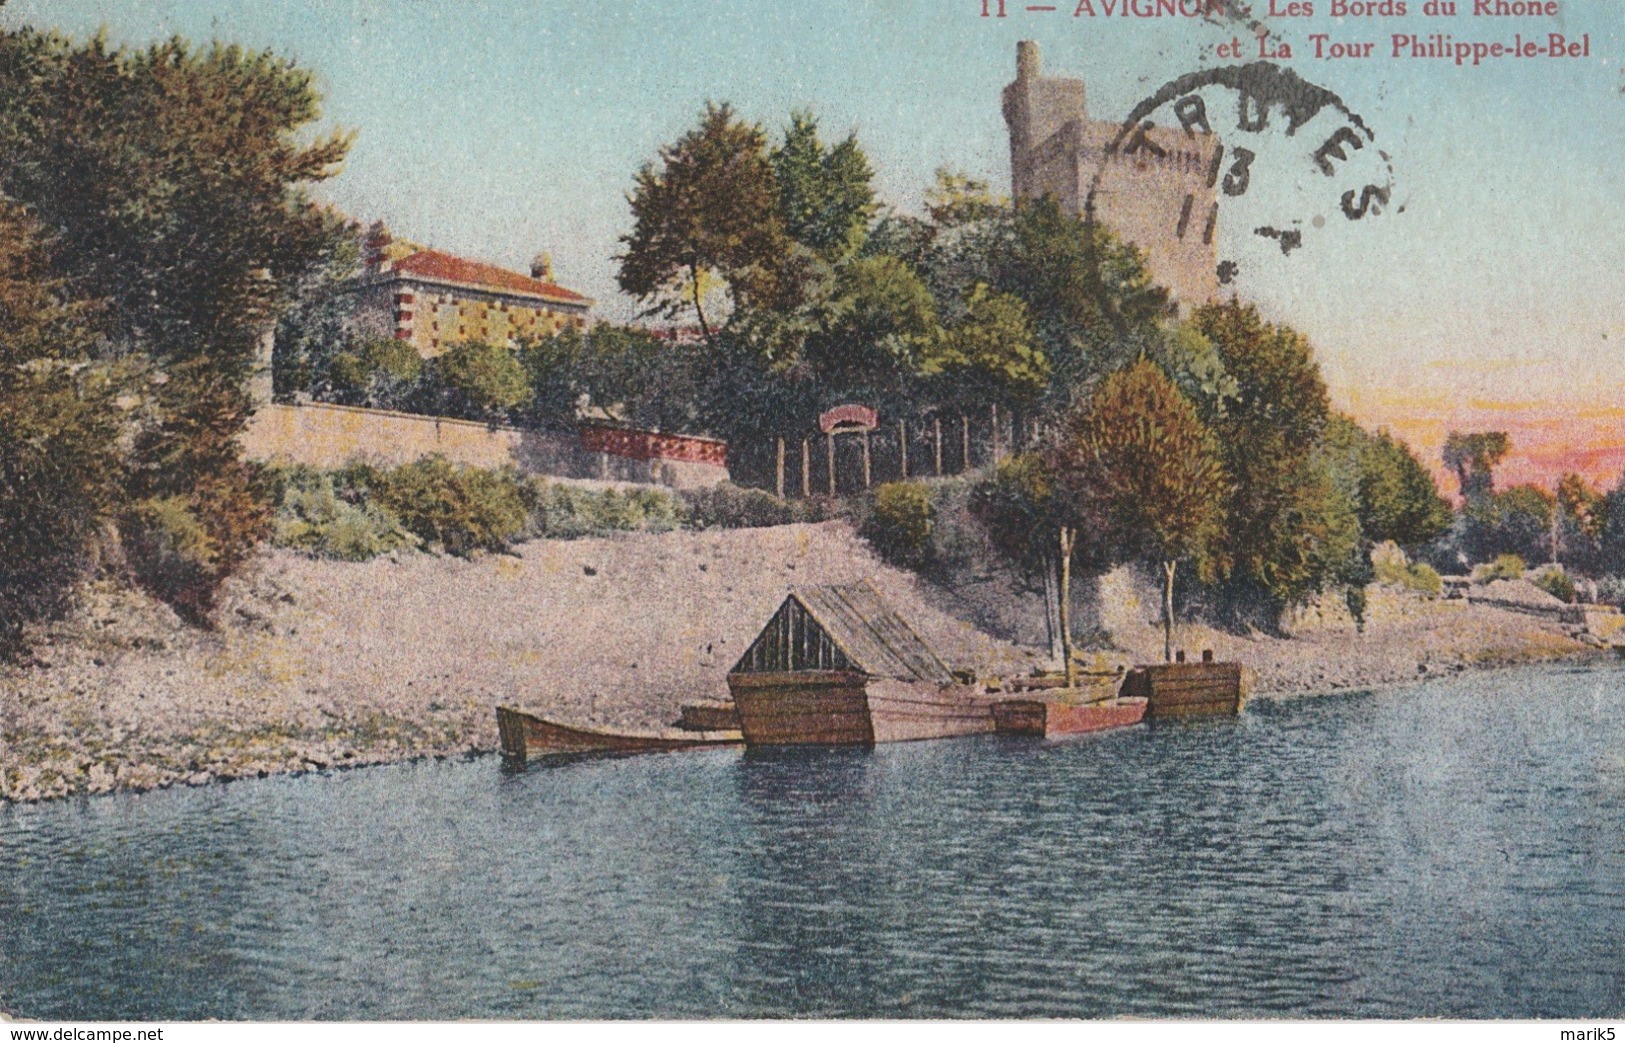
x,y
323,435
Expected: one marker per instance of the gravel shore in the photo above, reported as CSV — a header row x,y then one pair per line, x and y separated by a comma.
x,y
321,665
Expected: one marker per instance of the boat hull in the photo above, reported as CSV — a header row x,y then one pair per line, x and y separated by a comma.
x,y
1052,718
709,717
846,708
525,736
1188,689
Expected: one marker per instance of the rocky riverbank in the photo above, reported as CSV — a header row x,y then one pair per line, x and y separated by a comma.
x,y
321,665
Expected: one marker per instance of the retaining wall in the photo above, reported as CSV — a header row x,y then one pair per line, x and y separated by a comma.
x,y
323,435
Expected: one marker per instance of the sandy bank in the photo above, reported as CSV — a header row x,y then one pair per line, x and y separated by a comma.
x,y
318,665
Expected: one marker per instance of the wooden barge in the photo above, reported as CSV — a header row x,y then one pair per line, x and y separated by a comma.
x,y
836,666
1056,715
525,735
1181,689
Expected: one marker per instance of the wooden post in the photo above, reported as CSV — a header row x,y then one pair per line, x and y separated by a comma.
x,y
806,467
1069,538
964,447
829,444
866,470
778,474
936,439
995,434
902,444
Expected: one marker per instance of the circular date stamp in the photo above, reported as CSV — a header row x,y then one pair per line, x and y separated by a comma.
x,y
1285,155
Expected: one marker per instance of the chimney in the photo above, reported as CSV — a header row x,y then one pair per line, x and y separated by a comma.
x,y
374,247
1029,65
541,267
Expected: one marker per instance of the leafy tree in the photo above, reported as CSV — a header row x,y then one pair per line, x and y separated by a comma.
x,y
875,330
1398,498
381,372
1611,531
1289,523
1086,290
60,463
1392,496
711,207
825,198
993,352
1512,521
1139,459
1020,509
171,182
620,369
1473,457
477,380
321,322
1582,520
956,198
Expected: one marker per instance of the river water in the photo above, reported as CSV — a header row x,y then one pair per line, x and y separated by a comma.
x,y
1453,849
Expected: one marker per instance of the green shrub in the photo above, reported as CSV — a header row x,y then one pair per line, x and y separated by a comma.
x,y
1423,578
459,509
1391,567
729,506
899,524
316,517
1557,583
661,511
568,512
171,552
381,372
182,547
475,380
1507,566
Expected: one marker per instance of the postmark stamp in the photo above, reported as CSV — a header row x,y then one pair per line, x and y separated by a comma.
x,y
1281,156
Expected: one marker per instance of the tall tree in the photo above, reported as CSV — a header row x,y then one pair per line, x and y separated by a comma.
x,y
172,182
711,208
1582,519
825,197
1395,496
1473,457
1287,519
1138,458
60,462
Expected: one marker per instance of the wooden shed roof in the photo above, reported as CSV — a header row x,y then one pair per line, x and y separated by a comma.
x,y
867,630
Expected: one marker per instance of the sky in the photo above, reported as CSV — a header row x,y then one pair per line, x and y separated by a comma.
x,y
1491,294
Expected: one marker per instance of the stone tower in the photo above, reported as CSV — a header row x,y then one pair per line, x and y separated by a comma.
x,y
1157,197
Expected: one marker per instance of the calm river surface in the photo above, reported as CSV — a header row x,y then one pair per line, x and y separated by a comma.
x,y
1455,849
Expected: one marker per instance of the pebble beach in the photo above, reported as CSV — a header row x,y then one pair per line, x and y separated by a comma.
x,y
319,665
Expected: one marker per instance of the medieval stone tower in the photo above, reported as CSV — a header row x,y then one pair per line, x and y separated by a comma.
x,y
1154,193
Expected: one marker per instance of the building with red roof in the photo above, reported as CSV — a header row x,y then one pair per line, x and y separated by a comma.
x,y
433,299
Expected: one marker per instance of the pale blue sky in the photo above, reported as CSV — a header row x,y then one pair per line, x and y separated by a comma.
x,y
497,129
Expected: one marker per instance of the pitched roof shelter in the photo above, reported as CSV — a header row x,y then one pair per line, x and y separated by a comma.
x,y
845,627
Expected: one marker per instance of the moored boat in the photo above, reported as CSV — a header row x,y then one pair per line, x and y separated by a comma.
x,y
837,666
1180,689
1056,715
525,735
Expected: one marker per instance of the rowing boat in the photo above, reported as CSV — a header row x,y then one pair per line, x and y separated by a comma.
x,y
525,735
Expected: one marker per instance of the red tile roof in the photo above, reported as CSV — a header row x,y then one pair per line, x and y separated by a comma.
x,y
443,267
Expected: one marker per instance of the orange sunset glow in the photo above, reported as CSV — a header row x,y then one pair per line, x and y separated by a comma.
x,y
1548,438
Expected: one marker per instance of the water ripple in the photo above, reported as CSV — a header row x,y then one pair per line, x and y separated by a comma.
x,y
1449,851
